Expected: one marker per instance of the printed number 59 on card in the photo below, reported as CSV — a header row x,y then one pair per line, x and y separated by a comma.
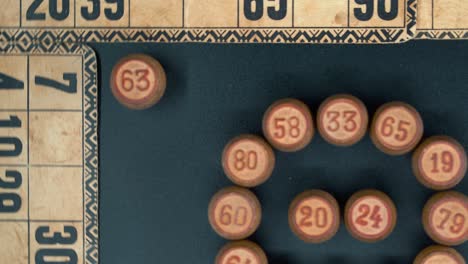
x,y
79,13
304,21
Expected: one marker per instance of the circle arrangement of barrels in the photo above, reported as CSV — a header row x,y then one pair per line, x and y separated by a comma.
x,y
438,163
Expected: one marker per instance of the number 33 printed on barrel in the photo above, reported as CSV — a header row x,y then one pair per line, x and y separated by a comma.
x,y
342,120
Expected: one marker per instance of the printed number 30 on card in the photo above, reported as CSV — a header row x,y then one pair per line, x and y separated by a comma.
x,y
47,131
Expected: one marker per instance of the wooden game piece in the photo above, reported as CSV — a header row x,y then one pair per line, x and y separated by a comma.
x,y
241,252
314,216
138,81
370,216
440,163
445,218
248,160
439,255
234,213
397,128
342,120
288,125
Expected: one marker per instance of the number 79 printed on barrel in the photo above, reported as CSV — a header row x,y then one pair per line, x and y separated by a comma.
x,y
48,156
228,21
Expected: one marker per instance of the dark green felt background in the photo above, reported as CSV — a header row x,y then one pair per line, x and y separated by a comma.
x,y
159,168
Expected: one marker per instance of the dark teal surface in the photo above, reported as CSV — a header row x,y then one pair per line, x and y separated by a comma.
x,y
160,167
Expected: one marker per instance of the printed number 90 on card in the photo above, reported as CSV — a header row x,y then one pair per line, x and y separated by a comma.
x,y
174,21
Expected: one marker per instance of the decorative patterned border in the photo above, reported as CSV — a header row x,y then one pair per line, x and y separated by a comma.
x,y
292,35
91,156
91,228
442,34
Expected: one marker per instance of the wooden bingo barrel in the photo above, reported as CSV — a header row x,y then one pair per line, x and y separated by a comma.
x,y
396,128
241,252
288,125
445,218
234,213
314,216
370,216
248,160
342,120
138,81
439,255
440,163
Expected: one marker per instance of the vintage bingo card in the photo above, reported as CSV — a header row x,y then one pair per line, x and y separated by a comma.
x,y
442,19
226,21
48,155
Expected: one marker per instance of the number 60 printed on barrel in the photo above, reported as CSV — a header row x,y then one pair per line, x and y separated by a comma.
x,y
234,213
